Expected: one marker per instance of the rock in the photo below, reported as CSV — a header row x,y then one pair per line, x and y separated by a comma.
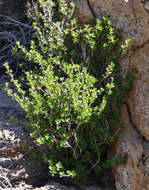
x,y
58,186
83,11
132,18
147,5
128,175
54,186
15,162
146,165
138,99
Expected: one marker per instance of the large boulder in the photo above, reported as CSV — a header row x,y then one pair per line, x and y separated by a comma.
x,y
128,175
131,17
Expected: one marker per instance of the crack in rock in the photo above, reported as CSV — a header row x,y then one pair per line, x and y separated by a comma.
x,y
91,8
140,135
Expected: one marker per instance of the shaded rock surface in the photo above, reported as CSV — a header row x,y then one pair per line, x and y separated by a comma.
x,y
54,186
13,8
15,162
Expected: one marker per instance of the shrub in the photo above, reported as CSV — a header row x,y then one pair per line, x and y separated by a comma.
x,y
72,97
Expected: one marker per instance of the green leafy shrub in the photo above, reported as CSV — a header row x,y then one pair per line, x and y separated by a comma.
x,y
72,98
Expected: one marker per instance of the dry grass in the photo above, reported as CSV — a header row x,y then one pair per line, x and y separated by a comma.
x,y
4,180
10,32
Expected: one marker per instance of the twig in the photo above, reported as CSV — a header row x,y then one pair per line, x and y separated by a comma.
x,y
4,180
10,32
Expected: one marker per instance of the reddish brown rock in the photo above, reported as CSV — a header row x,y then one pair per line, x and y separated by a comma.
x,y
83,11
128,175
132,18
146,165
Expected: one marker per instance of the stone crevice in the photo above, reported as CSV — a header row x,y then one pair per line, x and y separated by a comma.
x,y
140,136
136,48
142,160
91,8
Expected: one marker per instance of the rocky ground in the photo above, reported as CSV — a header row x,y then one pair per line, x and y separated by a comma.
x,y
16,164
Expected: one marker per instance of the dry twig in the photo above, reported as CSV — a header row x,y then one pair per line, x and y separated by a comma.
x,y
4,180
10,32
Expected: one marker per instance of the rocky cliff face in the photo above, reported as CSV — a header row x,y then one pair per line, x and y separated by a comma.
x,y
132,18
